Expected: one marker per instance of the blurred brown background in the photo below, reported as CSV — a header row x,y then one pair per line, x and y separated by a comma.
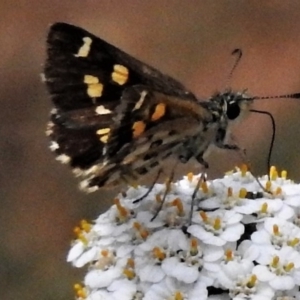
x,y
190,40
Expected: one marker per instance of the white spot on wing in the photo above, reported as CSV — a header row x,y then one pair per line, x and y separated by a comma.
x,y
43,77
101,110
84,186
53,146
141,101
77,172
63,158
92,170
84,50
49,129
53,111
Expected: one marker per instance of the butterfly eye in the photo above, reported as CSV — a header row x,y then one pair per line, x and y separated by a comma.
x,y
233,110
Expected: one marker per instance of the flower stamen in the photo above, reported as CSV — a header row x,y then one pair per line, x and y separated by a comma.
x,y
284,174
244,170
276,230
178,204
217,223
193,247
264,208
242,193
252,281
122,211
190,176
158,253
228,255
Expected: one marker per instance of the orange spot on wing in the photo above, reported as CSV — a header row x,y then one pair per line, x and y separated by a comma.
x,y
138,128
160,110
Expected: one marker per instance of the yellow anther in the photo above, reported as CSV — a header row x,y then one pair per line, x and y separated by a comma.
x,y
264,208
294,242
229,192
273,174
252,281
276,229
77,286
204,216
178,296
130,274
144,234
243,192
130,263
81,294
244,170
77,230
284,174
217,223
80,291
123,213
275,261
268,185
272,170
278,191
104,253
229,255
85,225
190,176
178,203
204,187
137,226
158,253
193,247
83,239
289,267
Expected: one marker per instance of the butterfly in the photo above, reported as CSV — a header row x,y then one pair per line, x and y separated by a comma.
x,y
116,118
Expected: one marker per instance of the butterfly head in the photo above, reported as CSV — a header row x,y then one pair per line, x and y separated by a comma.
x,y
231,105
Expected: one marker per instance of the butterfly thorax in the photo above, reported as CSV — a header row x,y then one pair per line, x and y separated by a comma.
x,y
224,108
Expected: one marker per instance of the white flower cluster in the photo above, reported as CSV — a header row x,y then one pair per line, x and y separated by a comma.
x,y
242,242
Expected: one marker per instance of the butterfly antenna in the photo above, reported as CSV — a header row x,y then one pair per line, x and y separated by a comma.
x,y
288,96
238,56
273,136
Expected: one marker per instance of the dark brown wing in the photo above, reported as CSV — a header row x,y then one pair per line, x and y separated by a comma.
x,y
109,106
86,77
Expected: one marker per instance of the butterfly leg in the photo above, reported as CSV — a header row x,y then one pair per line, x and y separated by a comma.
x,y
201,161
219,142
201,179
168,186
150,188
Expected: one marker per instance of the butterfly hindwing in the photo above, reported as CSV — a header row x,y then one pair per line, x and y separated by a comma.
x,y
142,109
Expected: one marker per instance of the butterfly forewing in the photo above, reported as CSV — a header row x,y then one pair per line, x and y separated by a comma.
x,y
114,116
